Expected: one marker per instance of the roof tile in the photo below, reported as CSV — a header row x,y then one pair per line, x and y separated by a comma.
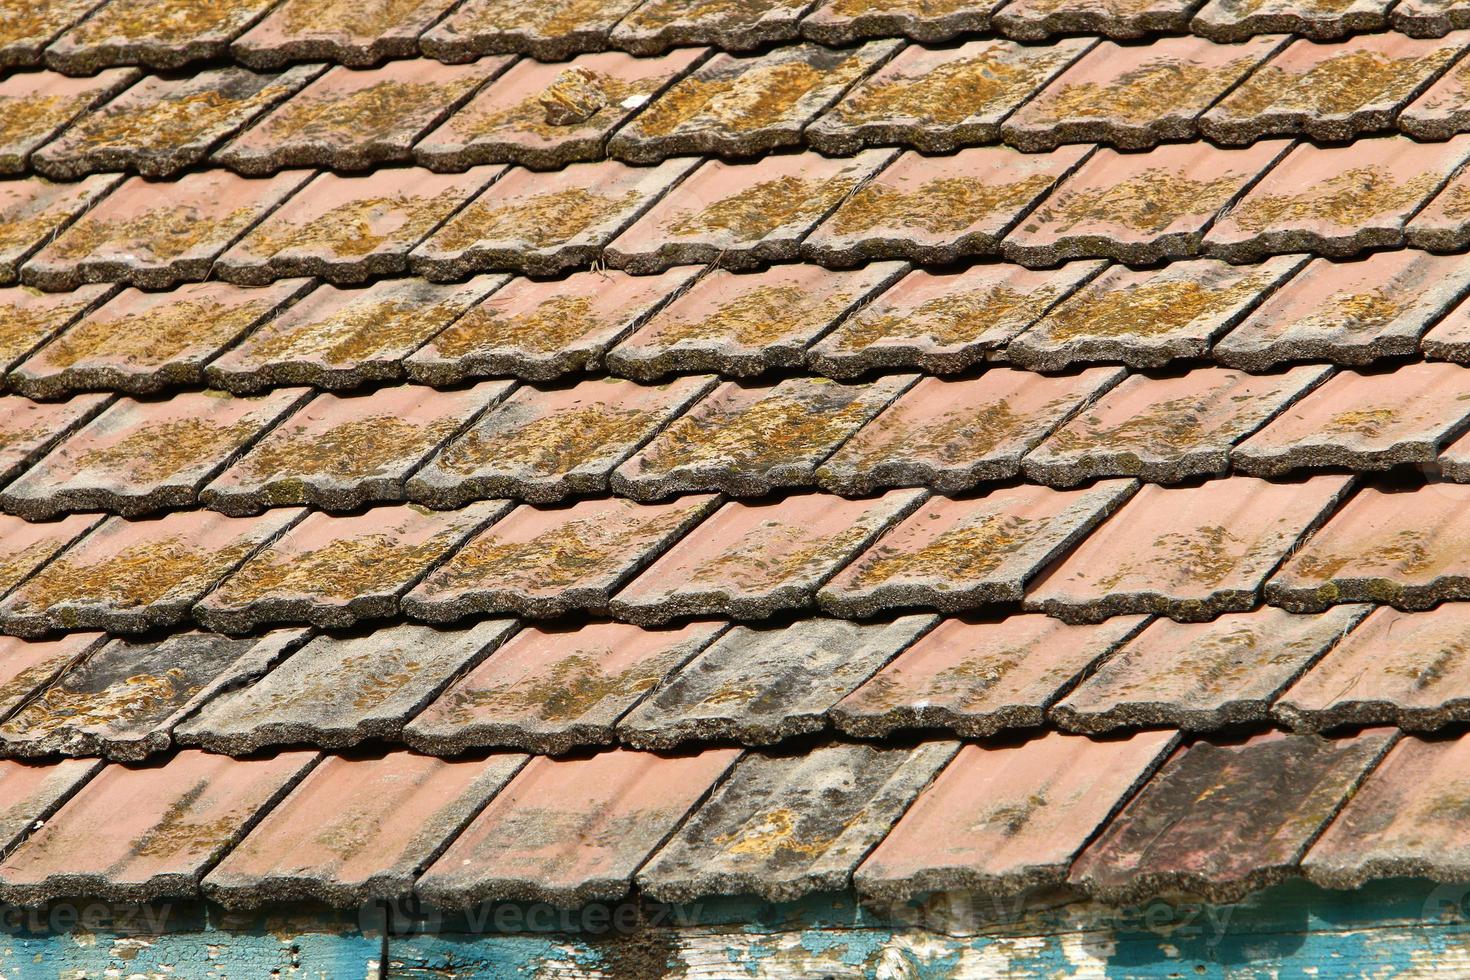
x,y
783,826
551,689
161,36
138,834
26,546
350,32
1148,317
977,678
546,223
35,106
945,322
1202,676
357,828
27,30
952,435
1449,340
1004,819
749,560
124,699
1429,18
154,233
29,429
1320,20
741,214
937,209
29,317
747,440
1454,461
1443,225
548,30
1037,20
959,554
1222,820
845,21
131,576
761,685
32,791
349,229
541,445
1139,207
34,211
938,100
540,330
338,691
568,832
653,26
1166,430
544,563
778,94
1440,111
1190,553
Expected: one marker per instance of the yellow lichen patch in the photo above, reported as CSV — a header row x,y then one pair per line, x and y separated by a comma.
x,y
1406,552
547,18
552,444
948,93
181,832
376,112
131,578
1146,309
1150,201
155,336
956,435
562,691
955,318
764,95
962,554
368,19
729,13
773,831
24,120
1339,85
1350,199
1453,203
916,8
534,113
16,565
755,318
1152,90
765,560
376,445
159,233
121,705
1175,425
21,232
344,569
1243,8
940,205
22,327
39,22
350,334
170,121
539,221
1350,313
573,97
763,208
173,21
1009,818
356,228
1366,422
378,676
151,454
548,328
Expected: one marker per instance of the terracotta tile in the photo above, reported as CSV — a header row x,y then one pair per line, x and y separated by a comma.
x,y
359,33
1440,112
35,106
1203,676
549,690
1348,312
844,21
749,560
352,120
1223,820
145,32
1038,20
569,832
1336,201
740,215
336,692
1364,422
28,666
1320,20
947,322
1148,317
29,317
544,563
742,325
1453,462
784,826
550,115
762,685
937,209
136,457
1165,430
344,338
1134,97
27,29
350,229
142,342
160,126
399,810
334,571
540,330
1429,18
1001,820
154,234
953,435
548,30
541,445
738,106
748,441
33,791
938,100
132,576
977,678
25,546
656,25
545,223
1139,207
1449,340
1189,553
1331,92
29,429
1443,225
148,833
1404,821
34,211
958,554
124,700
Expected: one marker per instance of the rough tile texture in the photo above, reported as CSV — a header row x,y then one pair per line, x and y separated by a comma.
x,y
33,791
844,21
1443,225
25,546
29,317
359,33
35,106
548,30
26,30
34,211
145,32
658,24
1037,20
1440,112
29,429
1429,18
1320,20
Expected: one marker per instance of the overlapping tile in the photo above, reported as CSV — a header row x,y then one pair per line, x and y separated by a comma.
x,y
1443,225
349,32
656,25
548,30
844,21
1429,18
29,429
1439,112
35,106
1038,20
31,665
144,32
1319,20
25,546
1449,339
29,317
25,31
33,791
34,211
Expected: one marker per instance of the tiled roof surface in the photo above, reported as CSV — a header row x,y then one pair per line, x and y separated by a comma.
x,y
548,449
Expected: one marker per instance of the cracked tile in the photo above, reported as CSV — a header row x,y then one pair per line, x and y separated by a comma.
x,y
1440,112
338,691
1443,225
656,25
1165,430
34,212
29,317
762,685
1189,553
334,571
547,30
26,546
547,562
144,32
35,106
359,33
838,22
26,29
31,792
1039,20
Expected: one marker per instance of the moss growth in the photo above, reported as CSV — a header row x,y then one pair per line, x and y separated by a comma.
x,y
349,335
1150,201
1405,552
962,555
1154,90
949,320
1350,313
565,690
778,830
764,94
354,228
24,120
180,832
152,454
156,336
344,569
539,221
1339,85
188,118
766,559
1453,203
131,578
138,20
957,436
763,208
122,706
15,565
367,19
377,112
924,9
359,449
1153,308
547,329
23,327
550,445
755,318
991,82
1175,425
938,206
39,22
1366,422
1352,199
728,14
546,18
157,234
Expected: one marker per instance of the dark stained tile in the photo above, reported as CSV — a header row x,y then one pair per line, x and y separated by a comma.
x,y
1037,20
359,33
548,30
549,690
761,685
29,429
34,211
28,28
1440,112
35,106
32,791
1319,20
29,317
845,21
1443,225
784,826
656,25
1429,18
336,692
25,545
145,32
